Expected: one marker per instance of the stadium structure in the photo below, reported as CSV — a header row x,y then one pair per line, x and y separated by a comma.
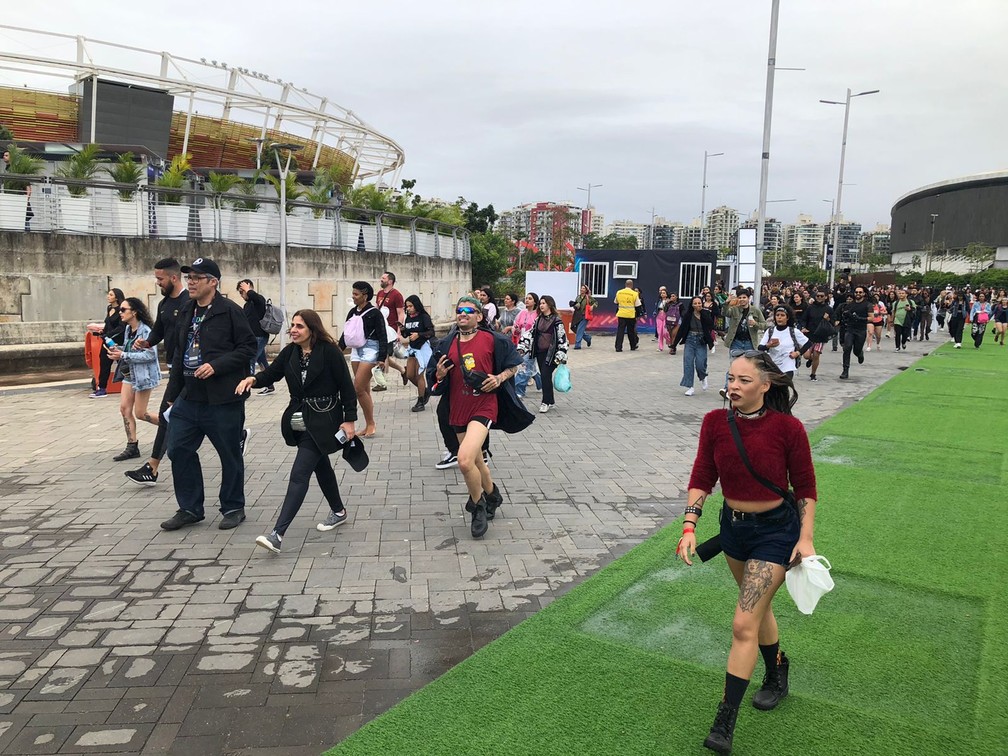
x,y
168,104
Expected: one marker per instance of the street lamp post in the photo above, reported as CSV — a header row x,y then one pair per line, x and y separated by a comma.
x,y
839,192
588,189
283,168
703,195
927,267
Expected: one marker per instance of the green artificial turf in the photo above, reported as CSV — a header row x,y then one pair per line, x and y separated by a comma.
x,y
906,656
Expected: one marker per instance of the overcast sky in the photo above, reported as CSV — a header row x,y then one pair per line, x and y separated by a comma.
x,y
515,102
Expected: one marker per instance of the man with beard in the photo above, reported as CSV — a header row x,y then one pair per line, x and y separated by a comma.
x,y
856,315
816,313
168,275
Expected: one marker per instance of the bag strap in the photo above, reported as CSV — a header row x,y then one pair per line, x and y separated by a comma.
x,y
745,458
461,363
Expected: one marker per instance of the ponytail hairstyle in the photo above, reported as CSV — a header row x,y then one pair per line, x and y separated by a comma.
x,y
782,394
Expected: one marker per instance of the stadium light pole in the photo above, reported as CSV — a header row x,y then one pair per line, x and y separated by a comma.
x,y
283,168
588,189
839,191
927,267
703,195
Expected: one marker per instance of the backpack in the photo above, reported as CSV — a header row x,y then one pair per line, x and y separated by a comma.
x,y
353,332
273,320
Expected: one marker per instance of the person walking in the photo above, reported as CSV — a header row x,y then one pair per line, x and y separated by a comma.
x,y
474,374
856,315
697,335
112,328
546,343
508,313
168,275
392,306
583,307
783,342
818,323
762,533
1000,317
255,311
673,319
416,332
627,301
979,316
318,421
366,335
957,312
902,317
523,323
139,370
661,307
218,346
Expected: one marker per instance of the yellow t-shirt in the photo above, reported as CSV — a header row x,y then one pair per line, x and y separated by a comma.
x,y
626,300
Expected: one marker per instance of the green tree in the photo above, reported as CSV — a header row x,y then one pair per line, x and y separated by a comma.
x,y
478,220
609,241
490,255
6,135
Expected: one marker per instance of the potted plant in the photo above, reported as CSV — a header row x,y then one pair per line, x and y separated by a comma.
x,y
172,216
318,230
127,172
216,218
17,191
75,209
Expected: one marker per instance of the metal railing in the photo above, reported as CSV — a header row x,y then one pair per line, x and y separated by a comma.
x,y
108,209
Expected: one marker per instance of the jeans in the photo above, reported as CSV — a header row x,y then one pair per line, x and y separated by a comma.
x,y
581,332
308,460
626,326
190,423
694,359
260,358
546,371
853,341
737,347
528,371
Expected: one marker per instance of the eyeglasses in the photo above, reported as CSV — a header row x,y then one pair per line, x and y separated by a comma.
x,y
465,311
191,278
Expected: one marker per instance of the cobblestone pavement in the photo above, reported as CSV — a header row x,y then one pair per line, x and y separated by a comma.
x,y
118,637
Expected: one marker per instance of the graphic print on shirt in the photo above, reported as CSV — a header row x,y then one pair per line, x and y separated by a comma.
x,y
193,358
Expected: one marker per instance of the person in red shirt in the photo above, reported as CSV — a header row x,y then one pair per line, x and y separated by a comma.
x,y
761,533
391,301
475,368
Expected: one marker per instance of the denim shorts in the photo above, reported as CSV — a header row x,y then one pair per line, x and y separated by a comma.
x,y
423,354
366,353
769,537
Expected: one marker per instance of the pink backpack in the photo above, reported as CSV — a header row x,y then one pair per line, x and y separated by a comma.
x,y
353,332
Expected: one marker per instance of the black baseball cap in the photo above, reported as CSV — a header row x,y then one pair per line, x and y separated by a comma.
x,y
203,265
354,454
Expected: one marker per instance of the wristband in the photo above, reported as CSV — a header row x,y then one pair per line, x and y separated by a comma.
x,y
688,530
693,509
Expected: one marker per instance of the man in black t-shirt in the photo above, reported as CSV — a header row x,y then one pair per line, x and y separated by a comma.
x,y
856,315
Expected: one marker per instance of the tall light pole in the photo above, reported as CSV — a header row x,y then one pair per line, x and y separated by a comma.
x,y
927,267
588,189
839,191
703,195
283,168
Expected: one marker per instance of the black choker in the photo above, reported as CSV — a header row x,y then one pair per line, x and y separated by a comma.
x,y
751,415
467,333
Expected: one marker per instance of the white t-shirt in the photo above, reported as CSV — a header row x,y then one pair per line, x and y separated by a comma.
x,y
780,354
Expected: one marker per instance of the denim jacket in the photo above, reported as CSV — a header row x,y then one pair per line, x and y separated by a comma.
x,y
145,371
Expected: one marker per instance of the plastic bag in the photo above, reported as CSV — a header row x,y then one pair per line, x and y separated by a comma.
x,y
809,581
561,378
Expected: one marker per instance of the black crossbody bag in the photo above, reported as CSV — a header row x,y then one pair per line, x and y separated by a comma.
x,y
712,547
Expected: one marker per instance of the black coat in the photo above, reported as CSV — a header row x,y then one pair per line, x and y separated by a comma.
x,y
255,311
226,343
327,384
512,416
706,326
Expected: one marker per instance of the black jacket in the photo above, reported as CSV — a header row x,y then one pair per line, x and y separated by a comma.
x,y
706,327
113,328
226,343
512,417
327,385
255,310
375,327
166,324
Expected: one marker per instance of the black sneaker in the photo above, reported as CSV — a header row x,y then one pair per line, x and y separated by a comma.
x,y
494,499
271,542
479,516
812,378
808,363
420,406
860,358
723,730
448,460
245,436
180,519
267,390
145,476
232,520
774,687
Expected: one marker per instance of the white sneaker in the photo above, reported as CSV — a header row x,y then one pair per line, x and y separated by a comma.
x,y
689,391
544,408
703,385
713,348
958,346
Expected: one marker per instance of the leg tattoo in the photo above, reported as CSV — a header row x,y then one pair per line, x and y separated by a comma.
x,y
756,580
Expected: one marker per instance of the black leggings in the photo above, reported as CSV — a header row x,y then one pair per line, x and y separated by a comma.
x,y
955,326
104,369
902,334
308,460
546,367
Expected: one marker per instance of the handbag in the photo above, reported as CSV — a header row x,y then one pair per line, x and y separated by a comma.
x,y
561,378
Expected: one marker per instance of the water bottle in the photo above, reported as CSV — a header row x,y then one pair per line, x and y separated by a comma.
x,y
110,343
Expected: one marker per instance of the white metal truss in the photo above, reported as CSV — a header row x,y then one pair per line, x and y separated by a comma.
x,y
212,88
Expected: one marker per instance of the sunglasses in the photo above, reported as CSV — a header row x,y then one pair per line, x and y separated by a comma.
x,y
124,309
465,310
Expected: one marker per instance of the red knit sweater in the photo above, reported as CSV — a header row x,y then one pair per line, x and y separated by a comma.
x,y
777,446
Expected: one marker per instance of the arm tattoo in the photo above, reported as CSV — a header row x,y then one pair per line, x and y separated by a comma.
x,y
700,501
756,582
802,504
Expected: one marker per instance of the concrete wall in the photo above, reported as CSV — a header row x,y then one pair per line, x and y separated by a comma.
x,y
52,284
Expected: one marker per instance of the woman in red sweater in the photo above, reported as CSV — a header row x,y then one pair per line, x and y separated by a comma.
x,y
761,533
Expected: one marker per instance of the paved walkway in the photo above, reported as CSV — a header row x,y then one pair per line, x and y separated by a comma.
x,y
118,637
